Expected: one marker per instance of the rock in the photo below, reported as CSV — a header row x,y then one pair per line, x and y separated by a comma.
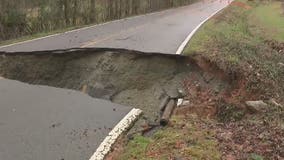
x,y
281,64
256,106
185,103
181,93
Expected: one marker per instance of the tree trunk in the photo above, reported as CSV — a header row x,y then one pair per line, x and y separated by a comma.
x,y
93,11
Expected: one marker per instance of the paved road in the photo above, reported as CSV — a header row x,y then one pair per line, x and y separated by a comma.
x,y
159,32
45,123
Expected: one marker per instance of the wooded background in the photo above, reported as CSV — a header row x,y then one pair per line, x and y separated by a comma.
x,y
26,17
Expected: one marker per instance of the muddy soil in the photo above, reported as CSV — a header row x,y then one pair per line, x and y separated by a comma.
x,y
125,77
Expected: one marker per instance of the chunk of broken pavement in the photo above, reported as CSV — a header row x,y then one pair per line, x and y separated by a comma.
x,y
256,106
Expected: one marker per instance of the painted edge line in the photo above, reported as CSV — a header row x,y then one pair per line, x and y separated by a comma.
x,y
62,33
188,38
123,125
91,26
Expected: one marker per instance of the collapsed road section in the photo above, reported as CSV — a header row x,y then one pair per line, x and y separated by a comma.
x,y
125,77
151,82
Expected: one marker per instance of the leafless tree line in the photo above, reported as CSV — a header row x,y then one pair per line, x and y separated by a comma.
x,y
27,17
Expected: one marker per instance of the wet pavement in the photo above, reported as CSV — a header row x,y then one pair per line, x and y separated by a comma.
x,y
161,32
46,123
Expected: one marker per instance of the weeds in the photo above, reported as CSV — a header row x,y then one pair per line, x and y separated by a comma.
x,y
235,43
183,138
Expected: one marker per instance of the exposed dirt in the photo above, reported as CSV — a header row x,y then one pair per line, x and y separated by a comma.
x,y
142,79
125,77
219,98
208,96
240,133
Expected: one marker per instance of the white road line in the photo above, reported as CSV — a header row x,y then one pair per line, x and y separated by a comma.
x,y
124,124
188,38
133,115
92,26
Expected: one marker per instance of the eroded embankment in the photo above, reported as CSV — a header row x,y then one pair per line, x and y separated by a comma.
x,y
125,77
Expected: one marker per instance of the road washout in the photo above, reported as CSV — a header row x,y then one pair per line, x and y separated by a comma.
x,y
125,77
135,79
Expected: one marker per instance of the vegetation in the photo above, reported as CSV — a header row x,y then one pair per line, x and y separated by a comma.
x,y
137,148
28,17
246,41
270,18
185,138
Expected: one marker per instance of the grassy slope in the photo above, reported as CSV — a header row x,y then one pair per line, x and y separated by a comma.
x,y
185,138
271,19
236,40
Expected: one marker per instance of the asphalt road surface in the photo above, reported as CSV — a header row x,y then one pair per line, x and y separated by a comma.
x,y
157,32
46,123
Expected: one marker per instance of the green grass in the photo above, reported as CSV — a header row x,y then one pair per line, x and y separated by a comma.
x,y
256,157
189,142
225,33
271,17
136,148
236,41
